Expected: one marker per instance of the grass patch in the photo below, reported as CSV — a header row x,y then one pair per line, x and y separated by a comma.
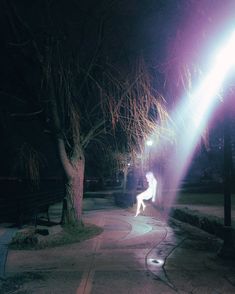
x,y
203,198
68,235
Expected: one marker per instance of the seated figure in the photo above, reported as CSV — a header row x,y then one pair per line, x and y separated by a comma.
x,y
148,194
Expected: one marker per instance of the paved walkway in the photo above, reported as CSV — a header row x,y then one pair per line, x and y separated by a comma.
x,y
132,255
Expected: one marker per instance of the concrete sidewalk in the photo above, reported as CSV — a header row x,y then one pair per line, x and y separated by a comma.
x,y
202,210
145,255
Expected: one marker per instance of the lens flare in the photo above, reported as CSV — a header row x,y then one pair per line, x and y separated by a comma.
x,y
193,114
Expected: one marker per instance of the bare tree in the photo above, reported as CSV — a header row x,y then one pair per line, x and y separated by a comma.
x,y
74,126
82,104
129,105
138,109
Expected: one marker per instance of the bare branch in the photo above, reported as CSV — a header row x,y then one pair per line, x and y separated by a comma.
x,y
94,132
26,114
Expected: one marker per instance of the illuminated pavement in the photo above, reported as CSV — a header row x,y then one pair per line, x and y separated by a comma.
x,y
132,255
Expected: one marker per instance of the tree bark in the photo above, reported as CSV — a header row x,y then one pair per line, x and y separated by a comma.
x,y
72,207
74,195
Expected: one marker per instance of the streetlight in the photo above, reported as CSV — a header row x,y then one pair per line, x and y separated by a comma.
x,y
149,142
228,247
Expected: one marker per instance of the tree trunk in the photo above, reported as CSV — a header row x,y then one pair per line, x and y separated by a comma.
x,y
72,205
72,210
125,171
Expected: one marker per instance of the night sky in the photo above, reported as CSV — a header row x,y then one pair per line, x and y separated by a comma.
x,y
165,33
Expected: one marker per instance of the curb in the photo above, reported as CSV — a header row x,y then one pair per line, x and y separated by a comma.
x,y
210,224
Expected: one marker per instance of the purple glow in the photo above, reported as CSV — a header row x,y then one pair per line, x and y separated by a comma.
x,y
193,114
224,61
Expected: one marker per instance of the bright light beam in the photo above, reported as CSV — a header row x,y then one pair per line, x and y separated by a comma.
x,y
224,62
195,113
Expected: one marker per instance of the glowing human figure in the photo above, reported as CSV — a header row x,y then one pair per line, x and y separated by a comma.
x,y
148,194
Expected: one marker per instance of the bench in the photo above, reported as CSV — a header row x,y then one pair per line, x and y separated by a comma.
x,y
32,206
